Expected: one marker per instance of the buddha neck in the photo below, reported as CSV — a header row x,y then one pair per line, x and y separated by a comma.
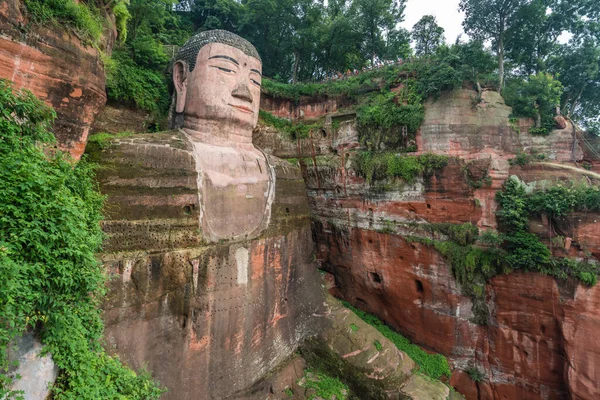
x,y
217,133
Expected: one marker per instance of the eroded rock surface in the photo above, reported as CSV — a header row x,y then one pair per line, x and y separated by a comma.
x,y
58,68
208,320
534,345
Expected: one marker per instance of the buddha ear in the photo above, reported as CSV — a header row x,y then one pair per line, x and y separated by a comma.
x,y
180,72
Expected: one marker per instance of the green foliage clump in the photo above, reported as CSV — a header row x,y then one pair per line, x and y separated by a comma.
x,y
432,365
525,250
353,86
378,345
326,387
128,82
379,166
536,97
83,17
294,131
50,280
382,116
476,374
87,18
102,139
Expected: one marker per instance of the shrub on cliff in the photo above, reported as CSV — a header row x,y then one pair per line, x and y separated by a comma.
x,y
86,17
131,83
537,98
50,280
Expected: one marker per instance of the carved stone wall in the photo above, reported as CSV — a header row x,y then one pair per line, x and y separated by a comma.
x,y
208,320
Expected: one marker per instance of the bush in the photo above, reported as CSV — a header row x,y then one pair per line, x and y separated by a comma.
x,y
294,131
380,166
85,18
536,98
129,83
50,280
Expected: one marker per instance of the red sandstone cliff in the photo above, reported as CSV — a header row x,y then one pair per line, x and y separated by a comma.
x,y
58,68
540,342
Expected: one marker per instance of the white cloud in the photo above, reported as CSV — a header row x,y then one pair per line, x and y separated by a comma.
x,y
445,11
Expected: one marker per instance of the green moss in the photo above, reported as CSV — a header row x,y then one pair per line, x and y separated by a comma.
x,y
379,166
325,386
432,365
103,139
378,345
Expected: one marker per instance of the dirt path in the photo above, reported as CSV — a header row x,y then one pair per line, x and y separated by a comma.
x,y
570,167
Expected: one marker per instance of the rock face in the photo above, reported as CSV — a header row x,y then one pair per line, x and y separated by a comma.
x,y
37,373
208,320
58,68
537,344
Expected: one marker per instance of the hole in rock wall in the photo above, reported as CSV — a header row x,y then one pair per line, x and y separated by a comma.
x,y
375,277
360,302
287,210
429,206
323,133
419,285
187,210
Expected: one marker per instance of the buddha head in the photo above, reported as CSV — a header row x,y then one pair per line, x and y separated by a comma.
x,y
217,78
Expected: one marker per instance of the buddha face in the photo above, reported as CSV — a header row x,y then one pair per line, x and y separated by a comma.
x,y
224,86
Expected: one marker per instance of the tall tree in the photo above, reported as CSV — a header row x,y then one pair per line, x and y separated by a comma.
x,y
578,66
490,19
427,35
378,21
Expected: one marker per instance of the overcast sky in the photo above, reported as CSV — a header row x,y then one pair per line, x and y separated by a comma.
x,y
445,11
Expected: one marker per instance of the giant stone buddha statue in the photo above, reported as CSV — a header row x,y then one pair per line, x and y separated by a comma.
x,y
217,78
208,239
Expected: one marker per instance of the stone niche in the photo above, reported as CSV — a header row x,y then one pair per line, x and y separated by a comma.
x,y
207,319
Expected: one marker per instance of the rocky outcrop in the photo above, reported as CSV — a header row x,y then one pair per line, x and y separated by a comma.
x,y
207,319
35,372
534,346
57,67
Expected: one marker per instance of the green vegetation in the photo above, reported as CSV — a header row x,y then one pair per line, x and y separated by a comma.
x,y
432,365
378,345
325,386
379,166
288,392
294,131
523,159
537,97
383,116
102,139
476,374
130,83
86,18
477,258
50,280
353,327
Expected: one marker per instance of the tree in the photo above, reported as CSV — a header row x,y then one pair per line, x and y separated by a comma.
x,y
578,66
378,23
427,35
490,19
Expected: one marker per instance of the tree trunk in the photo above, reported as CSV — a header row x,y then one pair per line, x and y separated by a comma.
x,y
296,64
501,63
575,102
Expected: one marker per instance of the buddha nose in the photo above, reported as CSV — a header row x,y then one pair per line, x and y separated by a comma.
x,y
242,92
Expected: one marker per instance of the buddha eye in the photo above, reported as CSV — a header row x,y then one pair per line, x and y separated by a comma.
x,y
225,70
255,82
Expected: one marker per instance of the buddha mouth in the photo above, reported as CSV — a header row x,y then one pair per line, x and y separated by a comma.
x,y
243,109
